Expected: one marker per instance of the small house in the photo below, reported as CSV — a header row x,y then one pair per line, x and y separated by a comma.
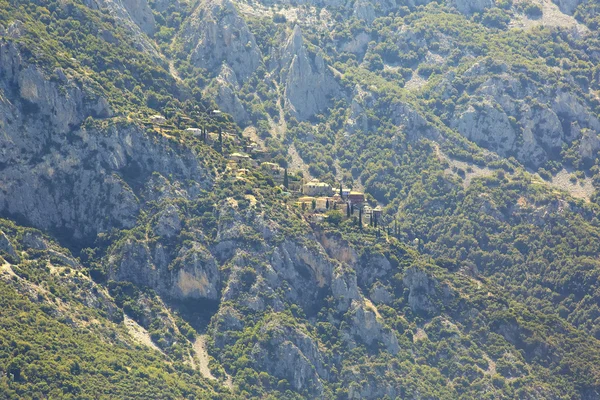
x,y
194,131
317,188
239,157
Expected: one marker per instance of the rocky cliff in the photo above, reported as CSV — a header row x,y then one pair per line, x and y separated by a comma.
x,y
309,83
98,179
215,34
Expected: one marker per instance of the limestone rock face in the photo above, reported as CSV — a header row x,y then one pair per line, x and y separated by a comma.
x,y
309,84
61,176
190,273
370,329
422,291
216,34
6,246
225,91
291,354
135,15
487,126
499,116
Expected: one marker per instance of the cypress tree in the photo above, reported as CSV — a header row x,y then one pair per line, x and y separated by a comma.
x,y
348,213
360,224
220,140
286,182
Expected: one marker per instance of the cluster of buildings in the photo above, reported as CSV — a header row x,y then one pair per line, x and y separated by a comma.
x,y
319,197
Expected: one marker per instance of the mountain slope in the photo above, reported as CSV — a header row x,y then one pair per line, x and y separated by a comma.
x,y
480,279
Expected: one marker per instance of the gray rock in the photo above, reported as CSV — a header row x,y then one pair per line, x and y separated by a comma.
x,y
168,224
309,84
225,93
6,245
216,34
422,291
370,329
380,295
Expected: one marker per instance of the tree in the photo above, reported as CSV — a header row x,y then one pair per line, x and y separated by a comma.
x,y
334,217
220,140
360,221
348,211
286,179
327,204
314,204
341,190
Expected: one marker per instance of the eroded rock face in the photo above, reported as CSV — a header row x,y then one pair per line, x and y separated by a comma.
x,y
190,273
291,354
422,291
6,245
135,15
309,84
225,91
215,34
499,117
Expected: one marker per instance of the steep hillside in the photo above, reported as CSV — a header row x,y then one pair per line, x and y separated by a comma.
x,y
144,254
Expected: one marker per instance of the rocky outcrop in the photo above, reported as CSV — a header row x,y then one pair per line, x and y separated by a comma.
x,y
290,354
422,291
309,84
370,329
225,92
135,16
6,245
215,34
499,116
358,121
188,274
487,125
137,11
